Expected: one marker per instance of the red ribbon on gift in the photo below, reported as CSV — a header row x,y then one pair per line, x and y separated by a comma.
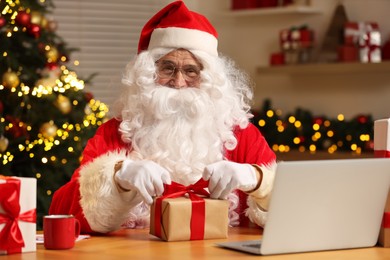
x,y
11,238
176,190
381,153
386,220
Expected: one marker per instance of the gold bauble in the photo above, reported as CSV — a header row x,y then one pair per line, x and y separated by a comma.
x,y
52,55
10,79
48,129
36,18
63,104
3,143
46,82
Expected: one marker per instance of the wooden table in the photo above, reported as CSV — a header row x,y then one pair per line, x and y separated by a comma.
x,y
138,244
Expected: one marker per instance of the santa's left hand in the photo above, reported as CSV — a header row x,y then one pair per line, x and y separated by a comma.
x,y
226,176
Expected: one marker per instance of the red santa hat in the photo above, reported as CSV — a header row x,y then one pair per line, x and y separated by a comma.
x,y
175,26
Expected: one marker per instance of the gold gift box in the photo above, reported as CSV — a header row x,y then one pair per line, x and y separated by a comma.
x,y
176,217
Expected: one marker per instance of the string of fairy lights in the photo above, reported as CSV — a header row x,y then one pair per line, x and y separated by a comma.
x,y
313,134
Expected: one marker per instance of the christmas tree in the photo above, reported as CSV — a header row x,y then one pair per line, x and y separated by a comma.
x,y
303,131
46,116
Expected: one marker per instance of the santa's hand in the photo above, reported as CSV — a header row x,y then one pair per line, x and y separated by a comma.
x,y
145,177
226,176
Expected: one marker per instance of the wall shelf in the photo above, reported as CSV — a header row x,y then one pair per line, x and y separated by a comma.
x,y
327,68
293,9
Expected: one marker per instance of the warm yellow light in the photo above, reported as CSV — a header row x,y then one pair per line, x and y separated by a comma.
x,y
261,122
316,136
327,123
330,133
316,127
270,113
365,137
296,140
340,117
291,119
297,124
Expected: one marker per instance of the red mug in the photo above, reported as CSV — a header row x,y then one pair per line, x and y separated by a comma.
x,y
60,231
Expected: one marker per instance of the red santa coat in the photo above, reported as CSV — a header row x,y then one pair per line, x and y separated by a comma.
x,y
93,199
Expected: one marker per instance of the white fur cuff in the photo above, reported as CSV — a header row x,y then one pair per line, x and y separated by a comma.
x,y
104,207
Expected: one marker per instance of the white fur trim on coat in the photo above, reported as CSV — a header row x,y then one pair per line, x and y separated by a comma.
x,y
104,207
258,200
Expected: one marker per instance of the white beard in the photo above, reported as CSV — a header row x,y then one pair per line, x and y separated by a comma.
x,y
181,131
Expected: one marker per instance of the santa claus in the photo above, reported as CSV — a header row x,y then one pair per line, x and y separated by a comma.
x,y
184,115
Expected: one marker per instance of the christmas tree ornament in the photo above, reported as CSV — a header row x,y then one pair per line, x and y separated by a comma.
x,y
51,66
37,18
63,104
47,83
1,107
10,79
2,22
48,129
88,96
34,30
18,128
23,18
3,143
52,54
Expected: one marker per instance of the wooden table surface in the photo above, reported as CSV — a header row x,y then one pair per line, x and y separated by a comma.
x,y
138,244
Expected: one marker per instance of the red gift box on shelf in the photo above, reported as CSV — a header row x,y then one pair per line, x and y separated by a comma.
x,y
17,214
243,4
367,37
347,53
248,4
176,217
382,149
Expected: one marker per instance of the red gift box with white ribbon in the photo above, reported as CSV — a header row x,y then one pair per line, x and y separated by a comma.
x,y
367,37
382,149
17,215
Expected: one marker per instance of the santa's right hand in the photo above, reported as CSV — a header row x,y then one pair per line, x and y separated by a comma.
x,y
145,177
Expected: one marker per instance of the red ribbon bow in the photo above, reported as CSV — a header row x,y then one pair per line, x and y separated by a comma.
x,y
11,238
176,190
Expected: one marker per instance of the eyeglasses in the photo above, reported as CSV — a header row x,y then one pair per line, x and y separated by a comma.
x,y
167,70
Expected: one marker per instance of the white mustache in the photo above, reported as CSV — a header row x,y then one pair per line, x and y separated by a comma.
x,y
189,103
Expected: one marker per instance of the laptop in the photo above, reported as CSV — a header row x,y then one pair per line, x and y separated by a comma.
x,y
323,205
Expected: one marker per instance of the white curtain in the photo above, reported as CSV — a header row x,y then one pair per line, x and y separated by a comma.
x,y
106,32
